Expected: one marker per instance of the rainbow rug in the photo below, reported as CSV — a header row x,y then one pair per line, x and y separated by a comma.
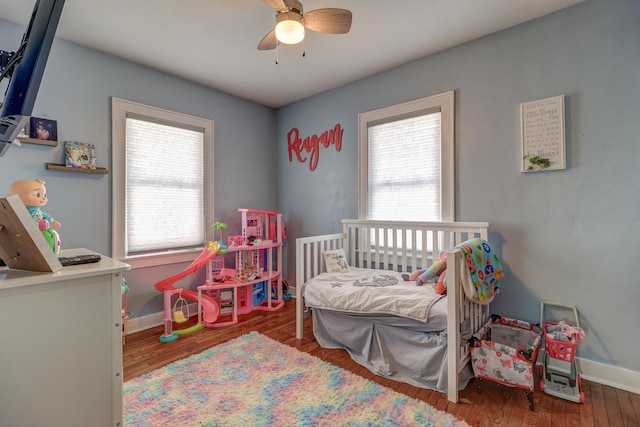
x,y
253,381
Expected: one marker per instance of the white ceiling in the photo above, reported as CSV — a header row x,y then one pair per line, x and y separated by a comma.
x,y
213,42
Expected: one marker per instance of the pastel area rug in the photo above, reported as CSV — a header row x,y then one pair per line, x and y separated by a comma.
x,y
253,381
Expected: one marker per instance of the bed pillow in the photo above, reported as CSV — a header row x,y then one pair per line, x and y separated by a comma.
x,y
335,260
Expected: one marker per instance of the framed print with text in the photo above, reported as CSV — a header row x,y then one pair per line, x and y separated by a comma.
x,y
542,134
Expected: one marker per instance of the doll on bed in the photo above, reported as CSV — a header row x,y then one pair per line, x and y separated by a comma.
x,y
485,271
436,273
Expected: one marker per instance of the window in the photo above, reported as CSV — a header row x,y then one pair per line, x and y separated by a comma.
x,y
406,161
162,184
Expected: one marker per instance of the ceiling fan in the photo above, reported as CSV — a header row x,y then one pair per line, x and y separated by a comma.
x,y
291,22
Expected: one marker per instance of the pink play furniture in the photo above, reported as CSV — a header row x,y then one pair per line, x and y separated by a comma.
x,y
247,286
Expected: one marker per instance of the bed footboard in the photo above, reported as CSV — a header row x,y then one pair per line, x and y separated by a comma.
x,y
309,263
464,318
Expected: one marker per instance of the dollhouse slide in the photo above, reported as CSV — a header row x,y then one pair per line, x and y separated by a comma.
x,y
209,305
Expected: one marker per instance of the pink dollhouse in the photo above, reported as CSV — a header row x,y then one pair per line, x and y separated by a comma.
x,y
257,267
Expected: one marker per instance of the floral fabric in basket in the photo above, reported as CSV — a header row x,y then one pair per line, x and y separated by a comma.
x,y
505,350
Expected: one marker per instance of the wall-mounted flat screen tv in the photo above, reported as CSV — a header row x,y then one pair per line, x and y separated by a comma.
x,y
23,70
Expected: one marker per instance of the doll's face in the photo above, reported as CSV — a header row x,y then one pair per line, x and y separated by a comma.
x,y
31,192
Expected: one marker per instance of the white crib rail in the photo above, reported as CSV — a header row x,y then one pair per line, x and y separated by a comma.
x,y
309,263
464,318
404,245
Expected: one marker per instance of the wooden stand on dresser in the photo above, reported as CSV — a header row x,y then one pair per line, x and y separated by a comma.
x,y
61,348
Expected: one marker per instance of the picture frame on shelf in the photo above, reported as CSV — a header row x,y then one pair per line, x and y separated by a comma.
x,y
80,155
43,129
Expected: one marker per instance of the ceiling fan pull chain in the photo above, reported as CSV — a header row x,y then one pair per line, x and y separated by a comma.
x,y
304,42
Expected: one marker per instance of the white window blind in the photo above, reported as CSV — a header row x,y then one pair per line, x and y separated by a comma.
x,y
162,200
404,169
406,161
164,204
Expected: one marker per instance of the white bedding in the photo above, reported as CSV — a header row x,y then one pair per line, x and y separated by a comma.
x,y
361,290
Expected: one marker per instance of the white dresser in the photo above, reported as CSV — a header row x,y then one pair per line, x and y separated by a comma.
x,y
61,345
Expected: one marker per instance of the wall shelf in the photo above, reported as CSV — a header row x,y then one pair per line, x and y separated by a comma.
x,y
38,142
61,167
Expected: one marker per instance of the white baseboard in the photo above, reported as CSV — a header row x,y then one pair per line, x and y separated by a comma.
x,y
137,324
600,373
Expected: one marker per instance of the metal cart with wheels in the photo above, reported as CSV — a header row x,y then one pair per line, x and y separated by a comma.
x,y
559,373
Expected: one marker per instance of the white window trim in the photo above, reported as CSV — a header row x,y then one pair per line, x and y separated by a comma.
x,y
443,102
120,108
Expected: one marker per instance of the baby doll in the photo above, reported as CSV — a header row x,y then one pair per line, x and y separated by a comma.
x,y
431,274
33,194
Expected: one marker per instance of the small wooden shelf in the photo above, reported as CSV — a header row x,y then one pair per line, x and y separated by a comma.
x,y
61,167
38,142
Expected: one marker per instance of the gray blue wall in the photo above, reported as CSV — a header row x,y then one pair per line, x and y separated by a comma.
x,y
569,235
76,91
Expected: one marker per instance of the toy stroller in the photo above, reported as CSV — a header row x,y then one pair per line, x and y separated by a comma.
x,y
505,351
558,370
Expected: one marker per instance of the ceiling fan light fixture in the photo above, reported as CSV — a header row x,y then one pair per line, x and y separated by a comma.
x,y
289,28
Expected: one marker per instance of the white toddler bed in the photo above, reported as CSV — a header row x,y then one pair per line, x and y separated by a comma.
x,y
426,345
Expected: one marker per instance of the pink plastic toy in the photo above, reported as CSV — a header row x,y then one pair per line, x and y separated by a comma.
x,y
255,281
210,307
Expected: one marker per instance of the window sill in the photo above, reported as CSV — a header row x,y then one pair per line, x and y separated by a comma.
x,y
153,260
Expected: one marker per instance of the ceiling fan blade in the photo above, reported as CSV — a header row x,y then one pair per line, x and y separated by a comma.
x,y
269,41
294,5
277,5
328,21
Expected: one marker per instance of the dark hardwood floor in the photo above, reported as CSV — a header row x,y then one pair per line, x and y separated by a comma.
x,y
497,405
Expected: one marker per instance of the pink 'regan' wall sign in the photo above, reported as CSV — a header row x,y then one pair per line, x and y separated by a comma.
x,y
308,148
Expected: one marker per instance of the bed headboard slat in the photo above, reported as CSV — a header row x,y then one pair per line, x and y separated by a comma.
x,y
404,245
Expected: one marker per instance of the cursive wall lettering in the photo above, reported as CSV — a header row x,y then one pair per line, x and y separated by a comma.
x,y
308,148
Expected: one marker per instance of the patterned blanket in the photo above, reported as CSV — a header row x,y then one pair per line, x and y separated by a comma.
x,y
484,267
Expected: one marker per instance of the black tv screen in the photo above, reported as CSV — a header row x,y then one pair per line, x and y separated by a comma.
x,y
24,69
